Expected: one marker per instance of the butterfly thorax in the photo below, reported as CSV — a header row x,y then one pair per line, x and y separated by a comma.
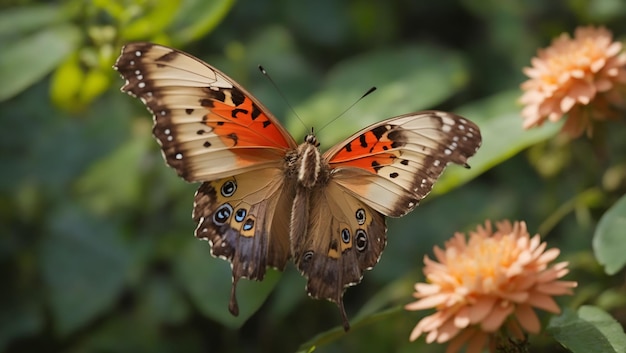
x,y
307,165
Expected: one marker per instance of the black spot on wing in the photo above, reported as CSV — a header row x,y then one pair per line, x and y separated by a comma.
x,y
237,111
255,112
214,94
237,96
363,141
379,131
398,138
233,136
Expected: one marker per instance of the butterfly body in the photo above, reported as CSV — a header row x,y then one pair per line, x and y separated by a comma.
x,y
265,199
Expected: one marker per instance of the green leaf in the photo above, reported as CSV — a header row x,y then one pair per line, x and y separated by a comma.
x,y
162,301
19,20
590,329
19,316
196,18
408,79
609,240
66,83
27,60
152,21
84,264
109,183
208,281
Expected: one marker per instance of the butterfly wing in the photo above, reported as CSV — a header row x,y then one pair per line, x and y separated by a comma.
x,y
245,218
393,164
208,126
212,130
340,239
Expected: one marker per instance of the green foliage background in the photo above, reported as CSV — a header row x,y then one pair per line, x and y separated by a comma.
x,y
97,250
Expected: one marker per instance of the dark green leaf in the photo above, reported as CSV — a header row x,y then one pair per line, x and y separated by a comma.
x,y
19,317
590,329
84,264
162,301
29,59
208,281
609,240
110,183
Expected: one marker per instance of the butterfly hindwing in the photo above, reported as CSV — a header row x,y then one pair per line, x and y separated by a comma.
x,y
394,164
245,218
208,126
339,239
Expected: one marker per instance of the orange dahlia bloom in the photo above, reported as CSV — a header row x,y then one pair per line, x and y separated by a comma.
x,y
488,284
583,77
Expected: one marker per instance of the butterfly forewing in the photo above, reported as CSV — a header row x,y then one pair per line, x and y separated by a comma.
x,y
244,219
208,126
392,165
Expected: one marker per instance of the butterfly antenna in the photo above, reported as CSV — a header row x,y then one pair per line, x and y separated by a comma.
x,y
267,75
350,107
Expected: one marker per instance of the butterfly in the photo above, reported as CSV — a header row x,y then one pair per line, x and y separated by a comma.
x,y
264,199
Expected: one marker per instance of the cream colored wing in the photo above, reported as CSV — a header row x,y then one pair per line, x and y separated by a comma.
x,y
208,126
392,165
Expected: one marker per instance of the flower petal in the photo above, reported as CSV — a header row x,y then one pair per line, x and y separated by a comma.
x,y
481,309
494,320
428,302
527,318
544,302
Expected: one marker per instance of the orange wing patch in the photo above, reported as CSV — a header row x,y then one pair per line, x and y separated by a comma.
x,y
371,150
238,121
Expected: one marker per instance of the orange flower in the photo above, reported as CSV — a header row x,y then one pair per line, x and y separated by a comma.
x,y
583,77
486,284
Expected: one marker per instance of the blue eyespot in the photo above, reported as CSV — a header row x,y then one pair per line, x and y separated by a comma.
x,y
222,214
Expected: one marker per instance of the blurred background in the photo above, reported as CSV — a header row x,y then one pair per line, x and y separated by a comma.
x,y
97,251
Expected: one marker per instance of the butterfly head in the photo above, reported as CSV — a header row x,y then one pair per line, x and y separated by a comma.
x,y
311,139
